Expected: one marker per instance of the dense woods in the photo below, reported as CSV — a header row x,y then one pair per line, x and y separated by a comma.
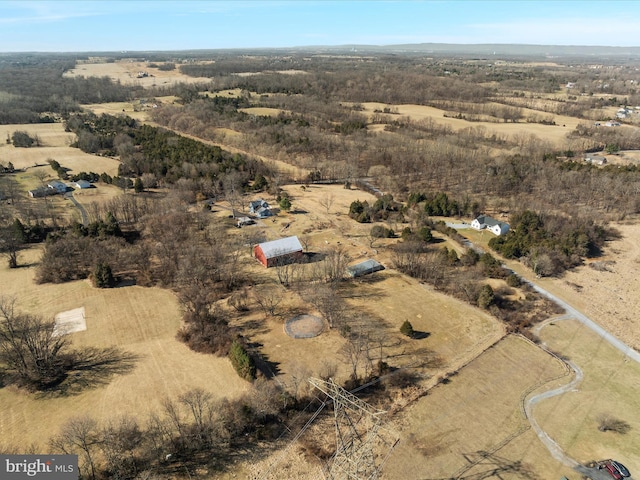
x,y
33,88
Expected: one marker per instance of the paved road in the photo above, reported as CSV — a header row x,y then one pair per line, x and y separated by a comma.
x,y
556,451
582,318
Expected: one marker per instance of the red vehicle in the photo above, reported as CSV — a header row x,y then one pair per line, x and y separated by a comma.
x,y
620,468
613,471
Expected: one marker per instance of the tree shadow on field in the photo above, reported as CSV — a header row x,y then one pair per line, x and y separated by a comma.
x,y
419,335
483,465
91,367
269,368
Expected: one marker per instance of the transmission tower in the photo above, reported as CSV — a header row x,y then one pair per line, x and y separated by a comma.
x,y
362,444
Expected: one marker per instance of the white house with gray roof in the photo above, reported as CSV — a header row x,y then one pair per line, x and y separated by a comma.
x,y
494,226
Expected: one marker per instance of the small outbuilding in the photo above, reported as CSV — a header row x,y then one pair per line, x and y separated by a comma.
x,y
364,268
278,252
41,192
244,221
494,226
595,159
82,184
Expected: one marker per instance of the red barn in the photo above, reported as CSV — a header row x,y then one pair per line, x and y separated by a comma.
x,y
278,252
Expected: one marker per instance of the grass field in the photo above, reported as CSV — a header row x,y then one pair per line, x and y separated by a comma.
x,y
610,386
554,133
479,410
142,322
55,145
126,72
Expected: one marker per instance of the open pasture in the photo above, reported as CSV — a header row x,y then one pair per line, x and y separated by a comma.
x,y
126,72
452,331
553,133
152,364
480,409
610,386
55,145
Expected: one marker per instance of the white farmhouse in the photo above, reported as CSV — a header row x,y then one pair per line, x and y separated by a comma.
x,y
491,224
59,187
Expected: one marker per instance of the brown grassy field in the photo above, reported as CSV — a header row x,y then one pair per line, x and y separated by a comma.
x,y
264,111
142,322
479,410
610,386
126,72
553,133
55,145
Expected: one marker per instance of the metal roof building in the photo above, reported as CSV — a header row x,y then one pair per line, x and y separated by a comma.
x,y
283,250
364,268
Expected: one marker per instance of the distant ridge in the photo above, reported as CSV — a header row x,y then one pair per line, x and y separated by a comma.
x,y
481,50
490,49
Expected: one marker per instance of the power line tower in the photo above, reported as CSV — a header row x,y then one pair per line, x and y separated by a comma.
x,y
362,444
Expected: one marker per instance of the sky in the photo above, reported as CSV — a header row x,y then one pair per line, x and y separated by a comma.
x,y
136,25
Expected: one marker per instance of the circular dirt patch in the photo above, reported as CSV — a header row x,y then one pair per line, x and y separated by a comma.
x,y
304,326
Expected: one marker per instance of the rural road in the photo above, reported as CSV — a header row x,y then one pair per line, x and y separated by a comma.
x,y
571,313
582,318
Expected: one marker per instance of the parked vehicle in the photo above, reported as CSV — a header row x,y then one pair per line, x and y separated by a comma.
x,y
620,468
608,466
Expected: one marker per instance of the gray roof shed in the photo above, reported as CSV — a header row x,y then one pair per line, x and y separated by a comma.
x,y
364,268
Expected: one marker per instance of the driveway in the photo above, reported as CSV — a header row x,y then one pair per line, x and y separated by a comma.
x,y
83,212
571,313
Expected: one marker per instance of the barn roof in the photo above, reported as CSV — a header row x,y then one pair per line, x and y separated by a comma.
x,y
282,246
363,268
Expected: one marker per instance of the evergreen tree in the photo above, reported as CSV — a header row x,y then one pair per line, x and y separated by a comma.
x,y
138,186
103,276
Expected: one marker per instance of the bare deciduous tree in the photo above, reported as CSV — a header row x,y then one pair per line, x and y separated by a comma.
x,y
327,200
79,436
29,347
328,303
609,423
268,297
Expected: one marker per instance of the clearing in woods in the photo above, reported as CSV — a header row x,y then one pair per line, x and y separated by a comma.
x,y
54,145
127,72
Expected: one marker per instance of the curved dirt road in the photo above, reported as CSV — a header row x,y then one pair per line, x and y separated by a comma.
x,y
571,313
555,450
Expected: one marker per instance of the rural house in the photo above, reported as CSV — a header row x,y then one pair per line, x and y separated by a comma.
x,y
260,208
278,252
59,187
491,224
595,159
